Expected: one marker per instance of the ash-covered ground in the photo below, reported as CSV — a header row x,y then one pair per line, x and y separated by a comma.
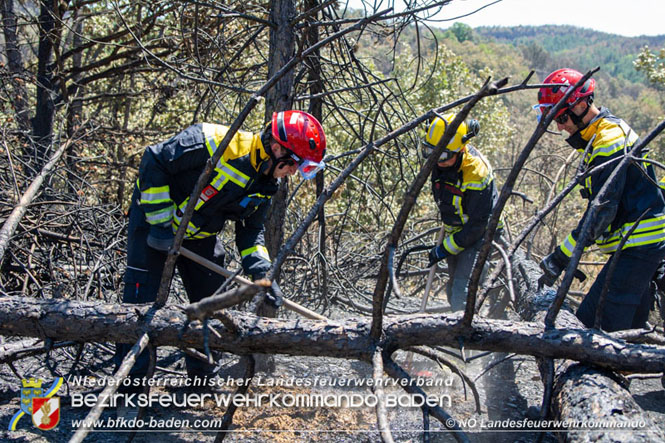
x,y
509,389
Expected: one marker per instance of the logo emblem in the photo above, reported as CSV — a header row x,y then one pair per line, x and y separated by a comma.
x,y
32,388
42,406
46,413
208,193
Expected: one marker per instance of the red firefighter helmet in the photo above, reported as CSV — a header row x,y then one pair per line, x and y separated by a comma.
x,y
548,97
302,135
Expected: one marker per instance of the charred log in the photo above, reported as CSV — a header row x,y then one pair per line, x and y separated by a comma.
x,y
585,395
93,321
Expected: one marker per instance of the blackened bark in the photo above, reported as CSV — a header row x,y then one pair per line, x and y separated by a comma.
x,y
316,109
42,122
584,394
279,98
350,339
15,66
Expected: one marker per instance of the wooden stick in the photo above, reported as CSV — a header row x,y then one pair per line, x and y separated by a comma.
x,y
290,305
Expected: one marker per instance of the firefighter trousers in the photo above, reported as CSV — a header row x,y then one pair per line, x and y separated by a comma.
x,y
630,295
460,267
143,275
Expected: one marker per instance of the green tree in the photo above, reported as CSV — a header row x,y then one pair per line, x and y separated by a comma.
x,y
536,55
652,65
461,32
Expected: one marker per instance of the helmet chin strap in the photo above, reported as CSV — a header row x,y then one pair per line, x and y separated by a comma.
x,y
578,120
266,136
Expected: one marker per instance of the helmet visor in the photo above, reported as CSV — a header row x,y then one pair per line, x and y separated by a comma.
x,y
308,168
427,148
541,110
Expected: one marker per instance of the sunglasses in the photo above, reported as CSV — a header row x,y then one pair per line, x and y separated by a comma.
x,y
427,148
562,119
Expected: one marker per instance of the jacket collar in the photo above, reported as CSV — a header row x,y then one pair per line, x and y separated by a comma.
x,y
580,138
259,157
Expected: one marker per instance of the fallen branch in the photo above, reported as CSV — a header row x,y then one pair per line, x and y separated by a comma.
x,y
100,322
9,227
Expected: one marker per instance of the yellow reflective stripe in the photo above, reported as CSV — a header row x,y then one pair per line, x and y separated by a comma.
x,y
647,224
617,143
160,216
457,204
477,185
650,225
450,229
160,194
568,245
232,173
633,240
192,229
220,180
211,145
217,184
225,172
202,234
606,151
260,249
451,246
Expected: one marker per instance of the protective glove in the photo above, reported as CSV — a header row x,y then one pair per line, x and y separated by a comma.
x,y
160,237
581,276
274,295
552,266
436,254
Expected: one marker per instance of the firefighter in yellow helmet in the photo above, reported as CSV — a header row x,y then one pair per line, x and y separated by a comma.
x,y
464,191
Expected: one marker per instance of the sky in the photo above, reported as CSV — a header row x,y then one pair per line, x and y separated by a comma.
x,y
624,17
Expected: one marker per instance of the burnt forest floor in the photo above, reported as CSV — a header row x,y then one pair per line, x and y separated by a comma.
x,y
510,390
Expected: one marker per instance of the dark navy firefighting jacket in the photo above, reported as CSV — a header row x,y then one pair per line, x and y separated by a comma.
x,y
238,190
630,196
465,195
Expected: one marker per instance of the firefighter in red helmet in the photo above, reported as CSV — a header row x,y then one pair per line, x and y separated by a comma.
x,y
240,189
635,207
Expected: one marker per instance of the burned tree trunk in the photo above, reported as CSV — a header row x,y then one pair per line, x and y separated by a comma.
x,y
592,398
350,339
587,397
279,98
42,122
15,66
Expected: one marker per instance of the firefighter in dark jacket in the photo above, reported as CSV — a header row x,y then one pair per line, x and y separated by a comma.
x,y
629,299
463,188
240,190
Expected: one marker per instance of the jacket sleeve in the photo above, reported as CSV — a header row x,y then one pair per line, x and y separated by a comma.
x,y
251,243
478,207
161,162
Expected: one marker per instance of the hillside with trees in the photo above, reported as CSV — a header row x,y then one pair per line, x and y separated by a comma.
x,y
551,46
